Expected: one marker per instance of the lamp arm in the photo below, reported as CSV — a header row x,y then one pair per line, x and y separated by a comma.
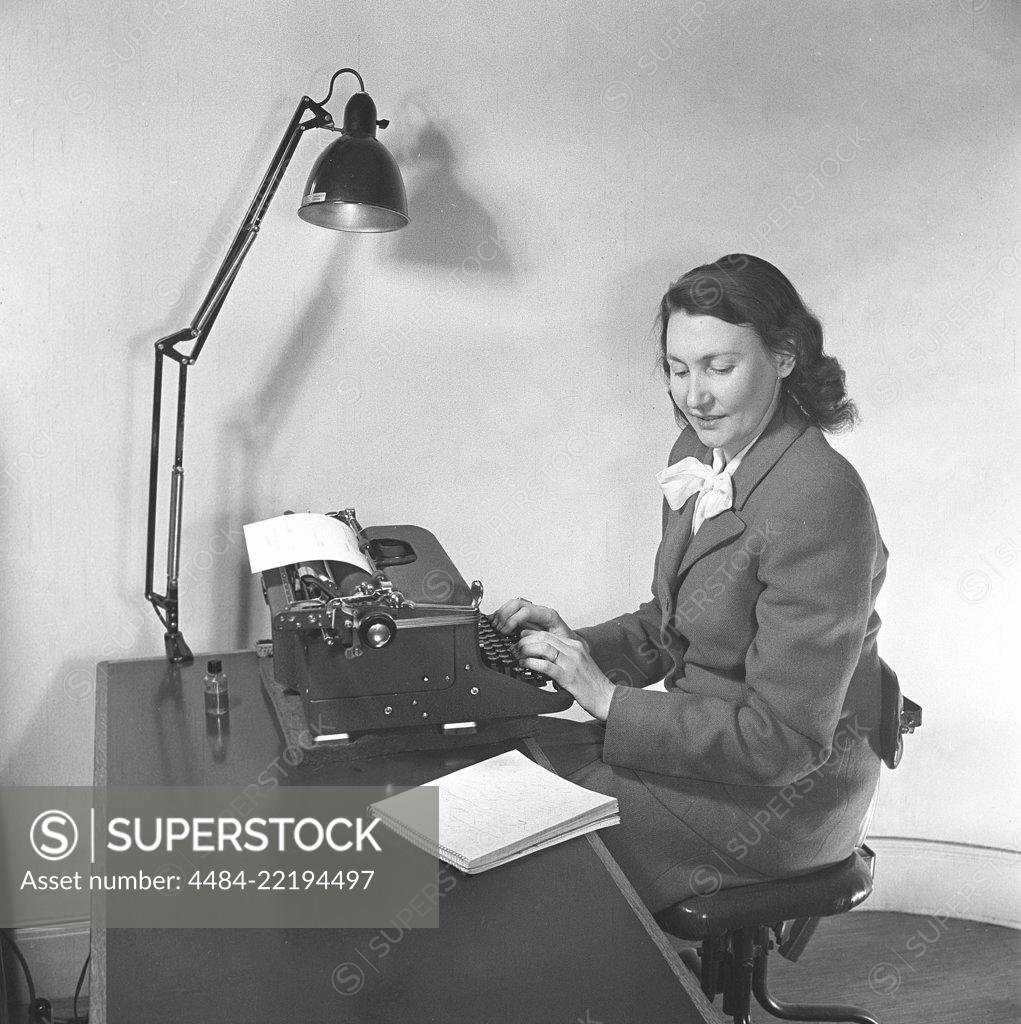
x,y
166,605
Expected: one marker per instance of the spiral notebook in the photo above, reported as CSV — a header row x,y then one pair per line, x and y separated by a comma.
x,y
496,811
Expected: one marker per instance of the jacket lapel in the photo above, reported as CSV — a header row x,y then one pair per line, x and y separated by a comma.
x,y
711,534
783,429
676,540
677,524
786,426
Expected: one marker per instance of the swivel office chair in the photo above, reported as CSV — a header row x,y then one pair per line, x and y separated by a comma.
x,y
736,928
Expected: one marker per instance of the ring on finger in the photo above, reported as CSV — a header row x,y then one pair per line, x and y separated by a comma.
x,y
556,655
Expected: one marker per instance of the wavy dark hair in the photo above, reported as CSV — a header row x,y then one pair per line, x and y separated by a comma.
x,y
750,292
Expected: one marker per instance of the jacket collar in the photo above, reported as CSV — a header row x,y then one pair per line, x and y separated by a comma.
x,y
786,426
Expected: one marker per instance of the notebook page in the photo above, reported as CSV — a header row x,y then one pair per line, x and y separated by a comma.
x,y
505,804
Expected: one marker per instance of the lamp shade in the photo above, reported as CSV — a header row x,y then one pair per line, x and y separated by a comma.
x,y
355,185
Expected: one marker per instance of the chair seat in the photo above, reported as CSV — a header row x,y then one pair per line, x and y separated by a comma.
x,y
822,893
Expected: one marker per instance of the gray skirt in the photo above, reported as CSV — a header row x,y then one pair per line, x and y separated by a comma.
x,y
725,838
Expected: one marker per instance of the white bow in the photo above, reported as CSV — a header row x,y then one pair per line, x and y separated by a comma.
x,y
713,485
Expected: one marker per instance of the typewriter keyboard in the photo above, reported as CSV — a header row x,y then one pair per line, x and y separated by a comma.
x,y
497,653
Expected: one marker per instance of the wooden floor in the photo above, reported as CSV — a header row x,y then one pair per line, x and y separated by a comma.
x,y
905,969
901,968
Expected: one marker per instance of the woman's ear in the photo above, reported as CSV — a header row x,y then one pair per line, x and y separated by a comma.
x,y
784,363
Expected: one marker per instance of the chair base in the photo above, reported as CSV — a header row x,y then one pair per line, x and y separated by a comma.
x,y
734,965
735,925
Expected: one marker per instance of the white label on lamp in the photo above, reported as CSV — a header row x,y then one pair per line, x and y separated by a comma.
x,y
314,197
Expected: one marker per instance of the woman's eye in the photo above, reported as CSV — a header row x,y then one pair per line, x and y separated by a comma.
x,y
677,372
721,369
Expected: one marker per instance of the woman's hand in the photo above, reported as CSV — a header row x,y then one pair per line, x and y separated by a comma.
x,y
566,660
521,614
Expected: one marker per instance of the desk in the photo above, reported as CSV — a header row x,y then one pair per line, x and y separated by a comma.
x,y
555,938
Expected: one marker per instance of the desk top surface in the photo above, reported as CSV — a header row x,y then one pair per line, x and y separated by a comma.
x,y
558,936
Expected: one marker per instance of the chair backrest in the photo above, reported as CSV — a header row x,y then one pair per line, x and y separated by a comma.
x,y
898,715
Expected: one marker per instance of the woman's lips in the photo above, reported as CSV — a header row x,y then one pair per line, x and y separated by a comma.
x,y
707,421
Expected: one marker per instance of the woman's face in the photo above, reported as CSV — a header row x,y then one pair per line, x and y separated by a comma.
x,y
722,378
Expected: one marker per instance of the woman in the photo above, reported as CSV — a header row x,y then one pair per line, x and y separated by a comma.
x,y
761,758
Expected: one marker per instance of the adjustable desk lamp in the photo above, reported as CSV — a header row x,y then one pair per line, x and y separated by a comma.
x,y
355,185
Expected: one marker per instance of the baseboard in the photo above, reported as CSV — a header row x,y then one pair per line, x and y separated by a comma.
x,y
946,880
55,957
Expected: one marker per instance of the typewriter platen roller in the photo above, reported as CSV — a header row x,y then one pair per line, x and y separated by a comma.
x,y
404,647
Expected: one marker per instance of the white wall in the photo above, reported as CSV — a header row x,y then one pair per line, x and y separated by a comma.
x,y
864,148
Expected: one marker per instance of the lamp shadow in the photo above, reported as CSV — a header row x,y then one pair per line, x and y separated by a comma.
x,y
450,227
250,436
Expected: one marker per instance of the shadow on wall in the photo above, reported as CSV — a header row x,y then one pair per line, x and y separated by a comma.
x,y
213,555
450,227
212,544
251,439
450,232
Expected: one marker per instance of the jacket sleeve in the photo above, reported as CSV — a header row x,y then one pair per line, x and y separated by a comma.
x,y
811,620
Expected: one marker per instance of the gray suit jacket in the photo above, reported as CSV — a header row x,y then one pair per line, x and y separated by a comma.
x,y
764,627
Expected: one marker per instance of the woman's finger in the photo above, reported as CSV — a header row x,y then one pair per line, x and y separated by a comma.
x,y
540,645
529,616
524,615
502,614
544,667
521,614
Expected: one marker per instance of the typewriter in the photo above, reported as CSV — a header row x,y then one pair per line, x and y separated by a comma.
x,y
398,658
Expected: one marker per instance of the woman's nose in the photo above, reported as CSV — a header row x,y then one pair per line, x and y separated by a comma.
x,y
698,396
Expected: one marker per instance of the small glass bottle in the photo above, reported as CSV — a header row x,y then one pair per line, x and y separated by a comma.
x,y
215,684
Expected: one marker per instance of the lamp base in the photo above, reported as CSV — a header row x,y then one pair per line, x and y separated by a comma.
x,y
177,648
